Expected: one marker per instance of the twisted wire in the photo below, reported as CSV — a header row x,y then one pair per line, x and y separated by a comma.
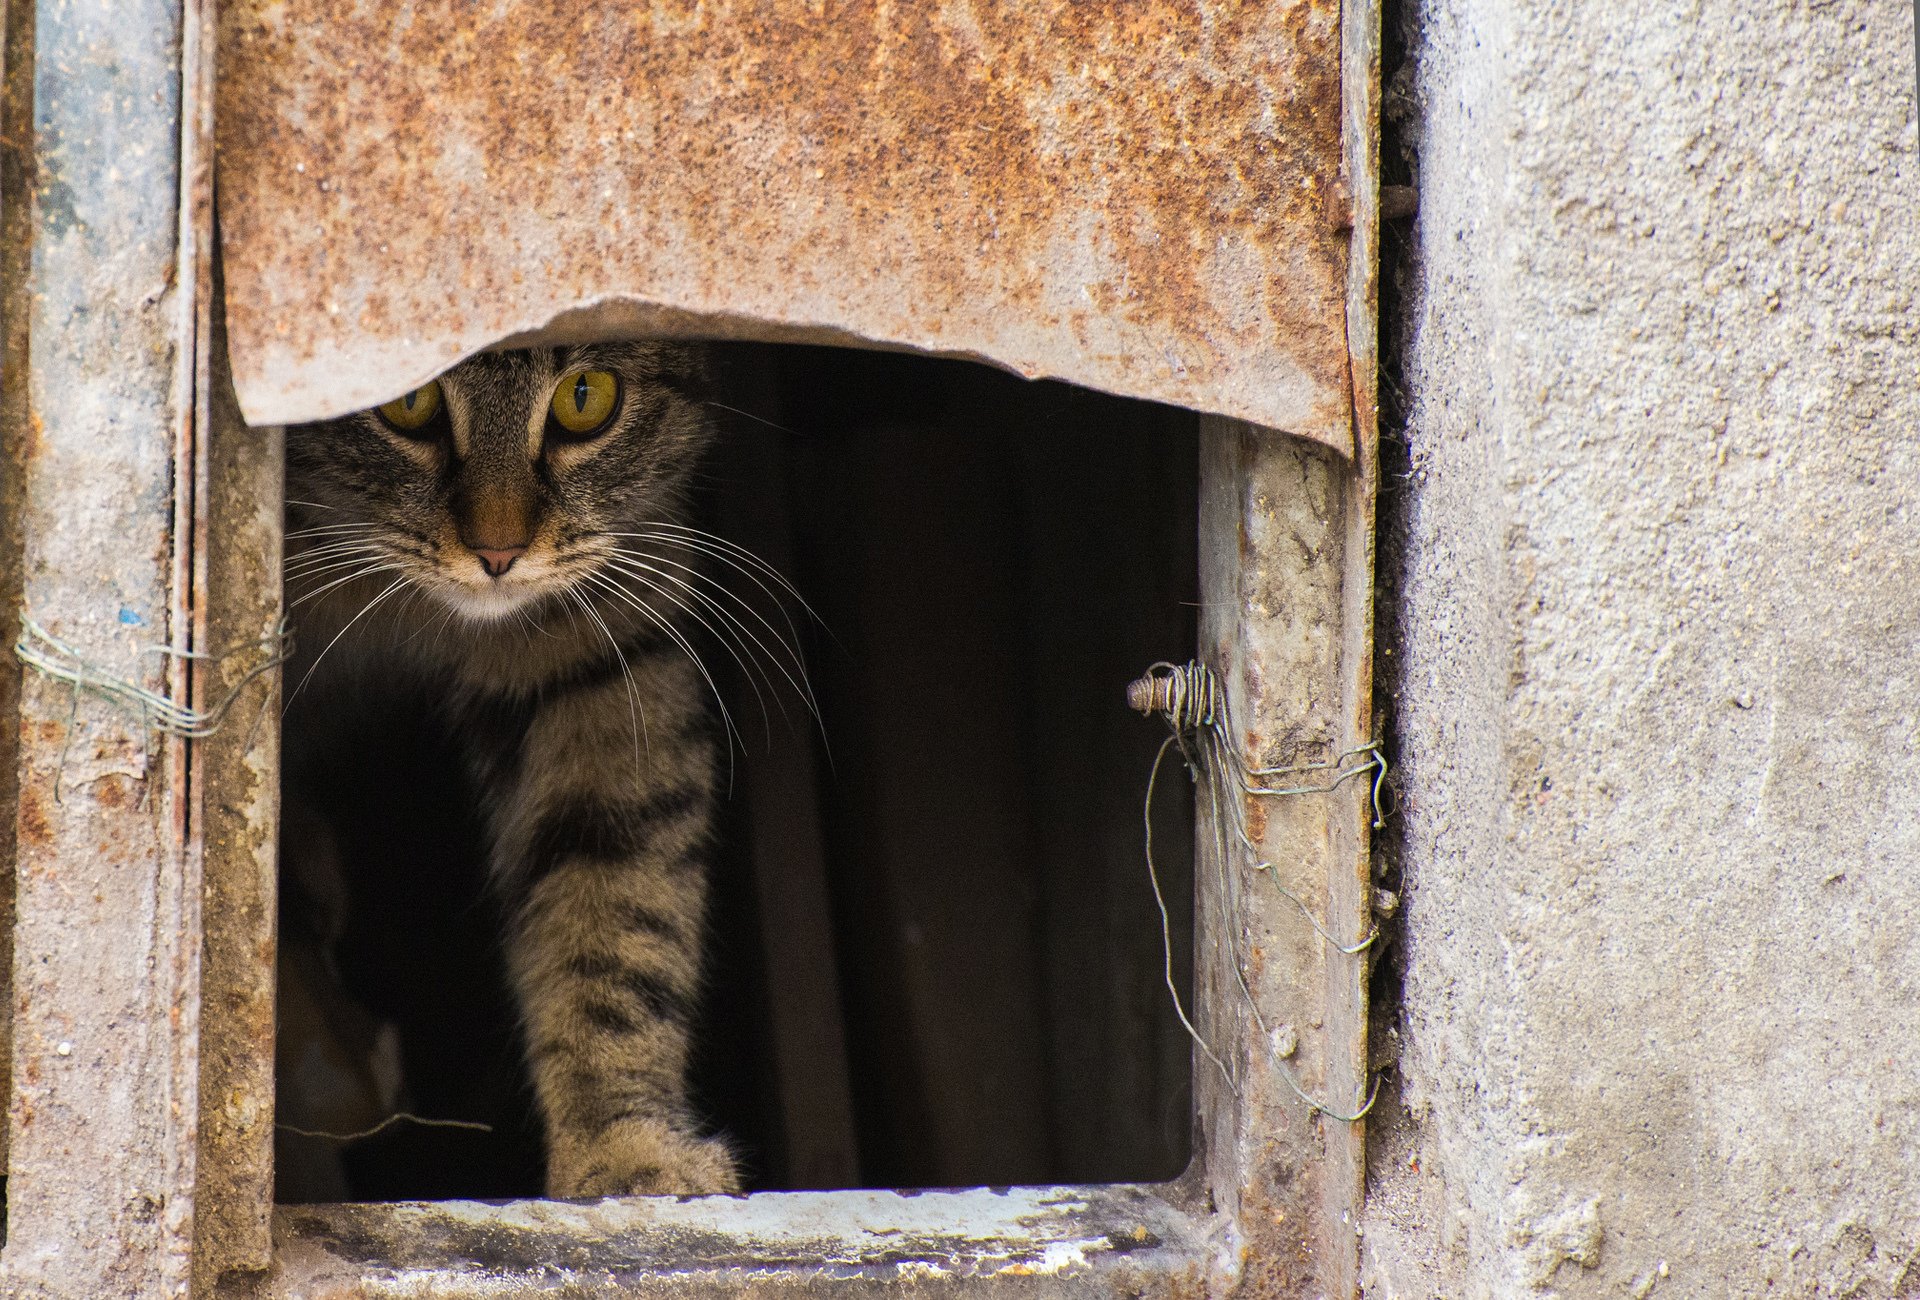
x,y
1190,699
45,653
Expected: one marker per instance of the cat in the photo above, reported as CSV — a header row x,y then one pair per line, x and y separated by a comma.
x,y
513,538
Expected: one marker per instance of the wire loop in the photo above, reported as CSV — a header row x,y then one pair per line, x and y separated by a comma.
x,y
1190,699
45,653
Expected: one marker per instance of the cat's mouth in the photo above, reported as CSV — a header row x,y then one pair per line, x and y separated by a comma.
x,y
489,584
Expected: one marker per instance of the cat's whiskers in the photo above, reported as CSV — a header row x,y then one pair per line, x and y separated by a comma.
x,y
331,528
310,567
345,539
720,548
746,662
526,625
751,571
740,654
538,625
633,562
447,612
318,557
303,585
365,609
745,562
368,571
634,711
679,638
409,601
302,566
757,419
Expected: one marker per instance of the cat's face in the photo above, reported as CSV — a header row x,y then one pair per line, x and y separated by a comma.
x,y
508,480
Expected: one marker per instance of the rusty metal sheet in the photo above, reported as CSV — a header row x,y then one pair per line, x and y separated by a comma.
x,y
1143,198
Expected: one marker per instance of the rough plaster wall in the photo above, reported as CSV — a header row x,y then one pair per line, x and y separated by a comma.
x,y
1660,658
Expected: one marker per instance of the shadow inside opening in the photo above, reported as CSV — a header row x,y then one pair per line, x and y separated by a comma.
x,y
933,956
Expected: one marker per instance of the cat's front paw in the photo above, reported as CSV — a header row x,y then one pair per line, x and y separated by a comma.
x,y
637,1158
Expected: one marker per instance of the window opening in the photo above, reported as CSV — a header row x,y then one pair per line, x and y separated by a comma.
x,y
934,958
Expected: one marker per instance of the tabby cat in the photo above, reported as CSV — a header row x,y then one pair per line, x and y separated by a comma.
x,y
512,538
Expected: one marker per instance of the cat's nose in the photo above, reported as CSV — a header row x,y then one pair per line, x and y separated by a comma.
x,y
496,560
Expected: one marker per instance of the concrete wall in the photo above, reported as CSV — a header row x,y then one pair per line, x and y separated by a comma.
x,y
1659,648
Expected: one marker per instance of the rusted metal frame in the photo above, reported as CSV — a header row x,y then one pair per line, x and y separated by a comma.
x,y
106,961
191,671
1288,574
1278,1002
1284,584
1282,581
237,526
1027,1242
1281,567
1350,867
16,248
1287,592
239,772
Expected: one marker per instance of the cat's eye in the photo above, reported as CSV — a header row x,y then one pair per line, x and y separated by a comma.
x,y
584,402
414,411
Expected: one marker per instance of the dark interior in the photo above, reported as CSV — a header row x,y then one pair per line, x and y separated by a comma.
x,y
935,957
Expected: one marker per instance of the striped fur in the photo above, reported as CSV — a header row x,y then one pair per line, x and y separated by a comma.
x,y
568,678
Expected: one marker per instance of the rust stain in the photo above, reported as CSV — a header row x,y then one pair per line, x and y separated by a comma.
x,y
1133,197
34,828
1256,813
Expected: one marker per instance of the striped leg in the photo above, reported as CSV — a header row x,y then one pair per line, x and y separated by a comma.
x,y
604,851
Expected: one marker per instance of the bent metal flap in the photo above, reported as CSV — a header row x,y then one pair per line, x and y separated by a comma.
x,y
1142,198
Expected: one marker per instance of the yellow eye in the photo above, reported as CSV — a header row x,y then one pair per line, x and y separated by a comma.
x,y
584,401
411,413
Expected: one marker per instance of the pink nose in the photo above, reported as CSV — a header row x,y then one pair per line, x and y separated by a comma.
x,y
496,560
